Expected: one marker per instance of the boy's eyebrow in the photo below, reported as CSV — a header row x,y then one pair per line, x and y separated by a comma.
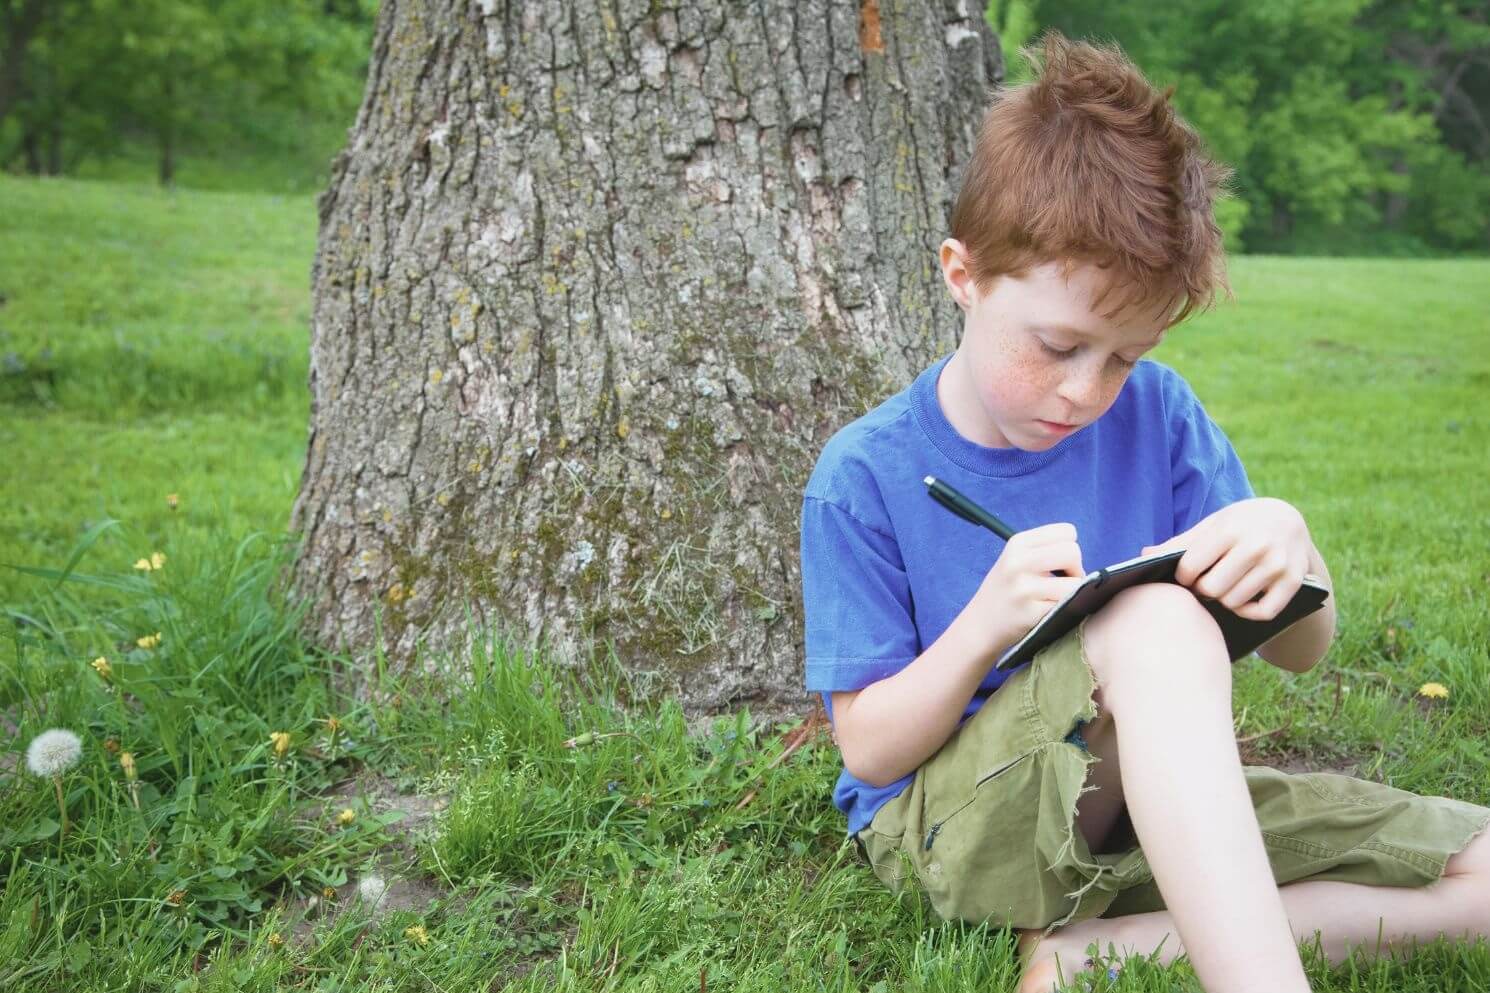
x,y
1046,326
1063,327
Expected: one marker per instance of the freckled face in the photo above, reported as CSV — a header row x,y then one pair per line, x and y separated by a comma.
x,y
1034,356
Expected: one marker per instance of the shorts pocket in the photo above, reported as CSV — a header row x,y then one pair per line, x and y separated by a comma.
x,y
935,826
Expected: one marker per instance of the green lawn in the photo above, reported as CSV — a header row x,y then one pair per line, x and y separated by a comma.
x,y
154,343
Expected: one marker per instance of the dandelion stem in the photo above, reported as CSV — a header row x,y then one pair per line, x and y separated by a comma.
x,y
61,807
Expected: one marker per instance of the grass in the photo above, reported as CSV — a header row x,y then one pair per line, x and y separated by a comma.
x,y
154,343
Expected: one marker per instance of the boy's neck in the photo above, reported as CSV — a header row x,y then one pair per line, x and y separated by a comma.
x,y
960,406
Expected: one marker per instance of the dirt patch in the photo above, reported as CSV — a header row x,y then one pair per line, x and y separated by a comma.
x,y
375,795
395,883
1293,761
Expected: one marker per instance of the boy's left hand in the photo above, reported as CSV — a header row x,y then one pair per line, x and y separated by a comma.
x,y
1247,548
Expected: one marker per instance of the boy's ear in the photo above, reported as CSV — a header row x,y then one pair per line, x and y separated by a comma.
x,y
953,256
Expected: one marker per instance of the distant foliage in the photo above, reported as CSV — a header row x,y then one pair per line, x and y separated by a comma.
x,y
1355,126
87,83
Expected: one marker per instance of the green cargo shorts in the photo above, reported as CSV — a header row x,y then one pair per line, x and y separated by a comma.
x,y
988,825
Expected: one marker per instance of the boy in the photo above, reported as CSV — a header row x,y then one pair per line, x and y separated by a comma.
x,y
1095,794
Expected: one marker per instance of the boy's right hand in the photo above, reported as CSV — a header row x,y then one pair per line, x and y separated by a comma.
x,y
1019,589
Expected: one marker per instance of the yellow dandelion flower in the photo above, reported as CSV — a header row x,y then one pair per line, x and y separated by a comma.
x,y
417,934
346,817
327,893
281,742
1434,691
127,763
173,501
276,939
155,561
149,640
101,666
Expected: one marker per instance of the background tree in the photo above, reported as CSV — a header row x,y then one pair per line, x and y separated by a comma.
x,y
1353,125
593,288
97,79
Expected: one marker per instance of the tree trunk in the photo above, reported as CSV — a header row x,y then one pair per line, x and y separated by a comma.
x,y
18,26
593,287
31,145
166,132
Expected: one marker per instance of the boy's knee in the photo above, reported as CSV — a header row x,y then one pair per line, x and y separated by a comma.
x,y
1150,630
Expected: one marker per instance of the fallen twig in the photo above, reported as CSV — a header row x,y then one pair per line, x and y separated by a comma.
x,y
798,737
1267,734
590,737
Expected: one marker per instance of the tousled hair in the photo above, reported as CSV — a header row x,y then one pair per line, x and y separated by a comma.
x,y
1089,163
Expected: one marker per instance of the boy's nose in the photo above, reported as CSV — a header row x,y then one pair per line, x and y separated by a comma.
x,y
1082,390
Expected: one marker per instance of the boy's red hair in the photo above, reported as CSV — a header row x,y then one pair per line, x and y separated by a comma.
x,y
1088,162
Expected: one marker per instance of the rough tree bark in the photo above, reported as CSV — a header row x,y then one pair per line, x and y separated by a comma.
x,y
593,286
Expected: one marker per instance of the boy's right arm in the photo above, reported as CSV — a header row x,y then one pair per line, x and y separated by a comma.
x,y
889,728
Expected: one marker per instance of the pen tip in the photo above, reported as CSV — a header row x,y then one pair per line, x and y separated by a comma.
x,y
929,480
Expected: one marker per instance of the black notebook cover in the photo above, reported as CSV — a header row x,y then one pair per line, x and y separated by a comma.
x,y
1242,635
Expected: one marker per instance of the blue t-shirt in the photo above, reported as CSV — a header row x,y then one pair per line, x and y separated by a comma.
x,y
885,569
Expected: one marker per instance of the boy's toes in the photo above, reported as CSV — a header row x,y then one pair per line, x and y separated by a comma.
x,y
1049,963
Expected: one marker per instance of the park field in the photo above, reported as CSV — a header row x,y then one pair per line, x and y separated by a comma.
x,y
496,824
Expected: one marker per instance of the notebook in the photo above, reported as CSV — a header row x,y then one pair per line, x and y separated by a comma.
x,y
1242,634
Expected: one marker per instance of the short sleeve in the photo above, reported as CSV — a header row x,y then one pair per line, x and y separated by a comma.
x,y
1207,472
856,600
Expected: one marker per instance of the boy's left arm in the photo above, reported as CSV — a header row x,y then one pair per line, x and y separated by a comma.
x,y
1259,546
1302,644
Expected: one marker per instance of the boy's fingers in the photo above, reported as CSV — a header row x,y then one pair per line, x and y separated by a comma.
x,y
1233,570
1047,533
1277,597
1244,590
1052,589
1206,546
1061,557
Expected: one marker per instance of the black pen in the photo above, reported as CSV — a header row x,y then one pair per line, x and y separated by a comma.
x,y
965,508
960,505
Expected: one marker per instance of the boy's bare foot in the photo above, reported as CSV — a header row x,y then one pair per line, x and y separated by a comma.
x,y
1053,962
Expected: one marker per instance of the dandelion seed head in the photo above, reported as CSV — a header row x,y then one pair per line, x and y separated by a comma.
x,y
53,752
372,889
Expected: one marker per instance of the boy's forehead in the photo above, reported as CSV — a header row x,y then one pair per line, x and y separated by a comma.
x,y
1066,301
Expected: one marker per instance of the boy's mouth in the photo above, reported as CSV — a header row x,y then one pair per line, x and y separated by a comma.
x,y
1055,427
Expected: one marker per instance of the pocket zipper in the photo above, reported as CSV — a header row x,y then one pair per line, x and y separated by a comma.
x,y
937,827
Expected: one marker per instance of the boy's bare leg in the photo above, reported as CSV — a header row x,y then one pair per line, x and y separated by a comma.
x,y
1346,916
1164,676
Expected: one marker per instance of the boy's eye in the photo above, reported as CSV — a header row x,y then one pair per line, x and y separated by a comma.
x,y
1056,351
